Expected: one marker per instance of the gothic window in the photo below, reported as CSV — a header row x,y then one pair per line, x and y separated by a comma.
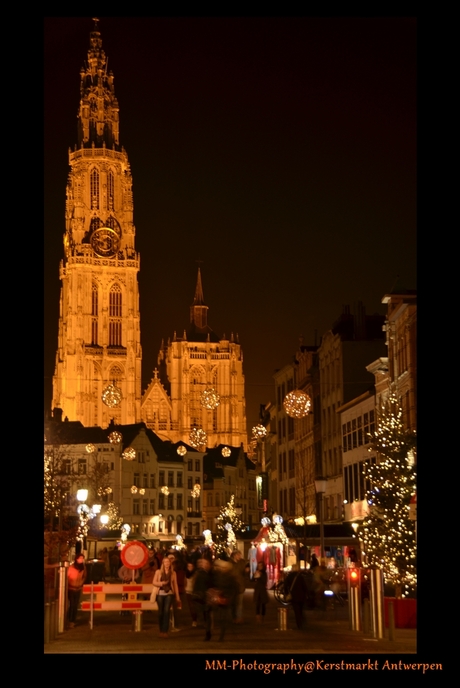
x,y
94,189
115,312
110,190
94,313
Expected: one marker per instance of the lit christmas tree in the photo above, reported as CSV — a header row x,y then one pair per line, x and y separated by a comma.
x,y
229,524
388,533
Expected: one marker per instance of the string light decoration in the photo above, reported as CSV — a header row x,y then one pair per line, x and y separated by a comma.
x,y
90,448
179,544
164,490
115,519
207,538
297,404
198,438
134,489
195,493
111,396
115,437
229,525
181,450
226,451
142,491
129,454
387,532
210,399
259,432
101,491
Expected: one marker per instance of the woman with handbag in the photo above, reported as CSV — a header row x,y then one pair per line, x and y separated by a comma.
x,y
165,581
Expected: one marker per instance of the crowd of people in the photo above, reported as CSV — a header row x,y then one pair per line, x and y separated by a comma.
x,y
211,588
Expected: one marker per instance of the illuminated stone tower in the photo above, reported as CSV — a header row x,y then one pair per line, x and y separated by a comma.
x,y
99,319
189,365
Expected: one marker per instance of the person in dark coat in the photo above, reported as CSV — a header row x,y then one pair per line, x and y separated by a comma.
x,y
203,582
296,586
260,591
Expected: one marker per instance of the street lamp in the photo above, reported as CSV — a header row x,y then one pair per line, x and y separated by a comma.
x,y
320,487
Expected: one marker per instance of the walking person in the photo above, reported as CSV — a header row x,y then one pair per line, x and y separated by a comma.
x,y
260,591
190,576
240,570
76,576
165,580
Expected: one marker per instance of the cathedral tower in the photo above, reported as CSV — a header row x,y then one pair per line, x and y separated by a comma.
x,y
198,361
99,320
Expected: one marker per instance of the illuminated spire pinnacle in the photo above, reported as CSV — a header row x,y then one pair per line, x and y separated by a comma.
x,y
198,311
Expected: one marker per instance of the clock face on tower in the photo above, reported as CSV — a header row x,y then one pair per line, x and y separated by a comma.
x,y
105,242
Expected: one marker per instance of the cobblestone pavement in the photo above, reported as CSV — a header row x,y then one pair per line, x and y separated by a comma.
x,y
324,632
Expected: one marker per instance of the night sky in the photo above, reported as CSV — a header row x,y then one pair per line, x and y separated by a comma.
x,y
281,152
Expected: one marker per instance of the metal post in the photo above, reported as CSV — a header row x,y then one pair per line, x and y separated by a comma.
x,y
137,620
376,601
62,587
47,622
391,620
354,597
282,619
53,620
321,528
366,616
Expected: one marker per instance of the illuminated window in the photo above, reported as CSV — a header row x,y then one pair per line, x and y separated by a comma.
x,y
110,190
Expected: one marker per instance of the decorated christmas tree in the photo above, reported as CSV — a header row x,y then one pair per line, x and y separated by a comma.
x,y
388,533
229,525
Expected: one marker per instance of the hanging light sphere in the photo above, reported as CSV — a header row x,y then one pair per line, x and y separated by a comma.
x,y
195,493
226,451
181,450
165,490
129,454
259,432
210,399
198,437
134,489
142,491
111,396
278,519
228,526
265,521
297,404
90,448
115,437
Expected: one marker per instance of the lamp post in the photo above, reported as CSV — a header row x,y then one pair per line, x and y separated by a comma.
x,y
320,487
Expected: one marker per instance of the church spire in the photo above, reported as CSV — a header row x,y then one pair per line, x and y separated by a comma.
x,y
198,311
98,115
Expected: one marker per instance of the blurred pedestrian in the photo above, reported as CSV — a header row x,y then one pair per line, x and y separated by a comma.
x,y
165,580
260,591
240,571
296,588
190,577
76,576
224,592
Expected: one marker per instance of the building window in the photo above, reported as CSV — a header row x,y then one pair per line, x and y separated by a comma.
x,y
94,189
197,480
146,480
209,499
115,314
189,483
161,480
197,465
66,467
137,480
161,502
145,507
81,466
110,191
170,478
152,507
94,314
189,505
179,479
190,465
170,501
152,480
136,506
